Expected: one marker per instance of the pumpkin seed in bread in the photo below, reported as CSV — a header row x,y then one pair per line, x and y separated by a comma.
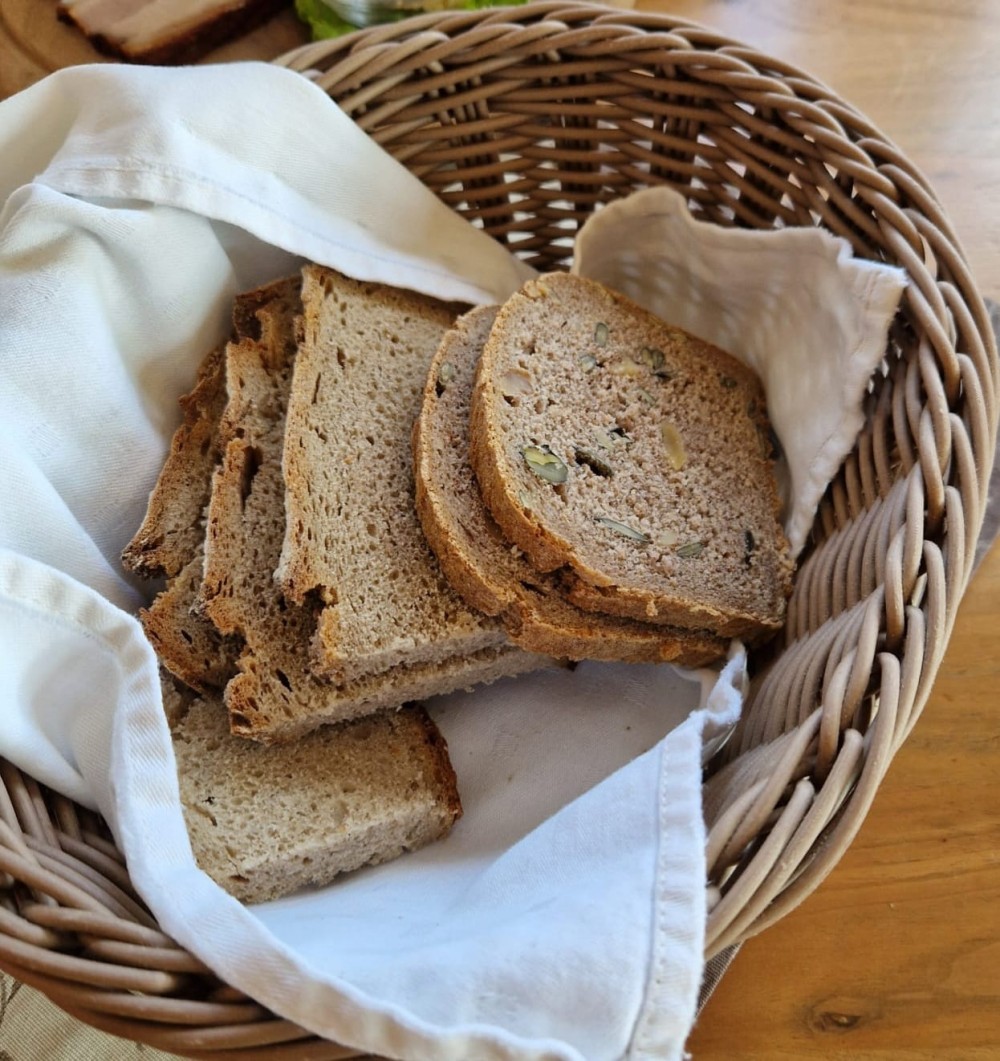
x,y
633,456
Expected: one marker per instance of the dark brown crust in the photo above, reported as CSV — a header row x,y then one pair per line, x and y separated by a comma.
x,y
187,44
170,531
170,542
187,644
621,602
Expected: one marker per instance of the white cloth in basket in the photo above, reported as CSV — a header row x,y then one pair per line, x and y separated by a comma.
x,y
564,917
774,299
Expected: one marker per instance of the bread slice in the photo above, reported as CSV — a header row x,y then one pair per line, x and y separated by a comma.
x,y
277,696
172,529
149,31
187,644
171,539
353,538
490,574
633,455
243,509
264,822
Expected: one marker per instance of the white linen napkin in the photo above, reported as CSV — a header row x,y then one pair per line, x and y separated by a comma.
x,y
564,918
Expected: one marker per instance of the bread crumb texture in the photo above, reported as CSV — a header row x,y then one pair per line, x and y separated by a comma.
x,y
264,822
353,538
634,456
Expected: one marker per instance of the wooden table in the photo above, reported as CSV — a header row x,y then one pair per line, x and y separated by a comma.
x,y
897,956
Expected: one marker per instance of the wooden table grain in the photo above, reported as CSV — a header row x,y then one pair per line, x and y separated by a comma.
x,y
897,956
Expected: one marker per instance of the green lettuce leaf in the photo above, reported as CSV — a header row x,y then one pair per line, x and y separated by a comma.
x,y
325,23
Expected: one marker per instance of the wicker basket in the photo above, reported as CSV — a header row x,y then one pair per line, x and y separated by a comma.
x,y
525,120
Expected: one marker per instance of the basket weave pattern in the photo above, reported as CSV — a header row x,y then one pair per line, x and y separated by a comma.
x,y
525,120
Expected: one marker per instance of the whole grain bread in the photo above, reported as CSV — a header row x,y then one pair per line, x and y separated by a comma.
x,y
187,643
259,365
633,456
172,528
171,539
264,822
277,694
352,538
480,563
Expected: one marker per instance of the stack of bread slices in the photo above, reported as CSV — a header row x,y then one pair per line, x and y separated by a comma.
x,y
372,500
300,592
599,481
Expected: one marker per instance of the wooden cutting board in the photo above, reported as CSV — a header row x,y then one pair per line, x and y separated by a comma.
x,y
33,43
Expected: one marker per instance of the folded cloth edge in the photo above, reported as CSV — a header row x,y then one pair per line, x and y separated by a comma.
x,y
459,263
669,1007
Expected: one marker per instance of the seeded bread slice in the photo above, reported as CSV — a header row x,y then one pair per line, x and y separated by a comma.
x,y
171,530
633,455
277,696
353,538
490,574
264,822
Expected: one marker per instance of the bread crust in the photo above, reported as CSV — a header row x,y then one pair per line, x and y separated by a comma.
x,y
590,353
170,541
187,644
171,530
